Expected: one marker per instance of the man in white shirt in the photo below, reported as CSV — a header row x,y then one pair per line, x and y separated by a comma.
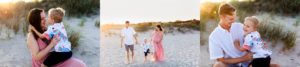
x,y
128,38
221,40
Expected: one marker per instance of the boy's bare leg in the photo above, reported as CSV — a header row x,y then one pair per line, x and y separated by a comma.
x,y
145,59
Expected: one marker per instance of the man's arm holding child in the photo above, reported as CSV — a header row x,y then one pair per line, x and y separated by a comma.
x,y
246,57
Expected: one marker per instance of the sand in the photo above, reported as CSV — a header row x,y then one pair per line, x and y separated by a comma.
x,y
14,51
181,50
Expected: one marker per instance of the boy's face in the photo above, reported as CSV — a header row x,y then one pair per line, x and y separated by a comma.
x,y
249,27
50,20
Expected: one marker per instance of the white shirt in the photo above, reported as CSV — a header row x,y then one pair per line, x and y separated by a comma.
x,y
221,42
254,41
58,29
128,34
146,46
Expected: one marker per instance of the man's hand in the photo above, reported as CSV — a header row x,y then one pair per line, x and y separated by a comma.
x,y
248,56
237,42
136,42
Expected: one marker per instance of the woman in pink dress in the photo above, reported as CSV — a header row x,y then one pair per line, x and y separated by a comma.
x,y
39,48
157,37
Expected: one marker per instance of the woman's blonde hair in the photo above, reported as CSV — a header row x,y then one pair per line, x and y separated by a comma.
x,y
56,14
253,19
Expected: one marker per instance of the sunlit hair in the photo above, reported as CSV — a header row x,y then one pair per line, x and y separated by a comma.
x,y
34,18
56,14
127,22
159,27
226,9
254,20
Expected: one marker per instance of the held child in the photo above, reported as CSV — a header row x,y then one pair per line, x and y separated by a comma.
x,y
62,50
253,43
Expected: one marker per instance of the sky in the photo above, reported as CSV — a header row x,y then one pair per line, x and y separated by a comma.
x,y
135,11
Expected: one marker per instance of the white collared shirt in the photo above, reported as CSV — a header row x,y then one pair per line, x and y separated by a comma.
x,y
254,41
64,44
128,34
221,42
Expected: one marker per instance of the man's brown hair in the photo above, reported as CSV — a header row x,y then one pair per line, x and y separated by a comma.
x,y
226,9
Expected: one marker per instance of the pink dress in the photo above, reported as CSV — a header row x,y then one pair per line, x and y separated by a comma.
x,y
72,62
157,44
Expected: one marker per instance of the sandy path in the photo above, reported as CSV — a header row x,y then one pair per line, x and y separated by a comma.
x,y
181,50
14,52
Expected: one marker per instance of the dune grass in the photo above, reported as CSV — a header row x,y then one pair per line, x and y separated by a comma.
x,y
97,23
73,35
82,21
273,30
169,27
297,21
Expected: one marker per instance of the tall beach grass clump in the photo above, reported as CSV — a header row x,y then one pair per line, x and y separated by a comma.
x,y
73,35
274,30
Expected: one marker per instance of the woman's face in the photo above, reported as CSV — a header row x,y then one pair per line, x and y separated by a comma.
x,y
43,19
156,29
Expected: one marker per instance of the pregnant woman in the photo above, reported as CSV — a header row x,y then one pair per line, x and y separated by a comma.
x,y
157,37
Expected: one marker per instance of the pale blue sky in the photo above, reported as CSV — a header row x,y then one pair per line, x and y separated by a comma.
x,y
118,11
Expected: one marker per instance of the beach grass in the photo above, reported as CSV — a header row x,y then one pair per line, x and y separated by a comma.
x,y
274,30
73,35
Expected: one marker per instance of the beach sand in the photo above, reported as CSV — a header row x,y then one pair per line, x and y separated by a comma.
x,y
14,51
181,50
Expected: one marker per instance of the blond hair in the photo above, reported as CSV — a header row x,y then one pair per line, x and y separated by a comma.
x,y
56,14
254,20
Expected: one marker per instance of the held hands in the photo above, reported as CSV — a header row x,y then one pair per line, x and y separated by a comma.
x,y
136,42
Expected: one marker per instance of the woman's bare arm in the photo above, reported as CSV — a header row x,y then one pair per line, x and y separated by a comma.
x,y
34,48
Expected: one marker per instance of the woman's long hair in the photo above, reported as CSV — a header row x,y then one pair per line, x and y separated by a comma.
x,y
159,27
34,19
